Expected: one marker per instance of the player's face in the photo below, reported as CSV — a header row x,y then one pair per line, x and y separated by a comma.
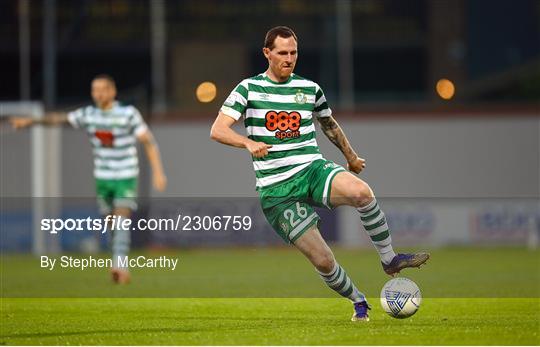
x,y
103,93
282,58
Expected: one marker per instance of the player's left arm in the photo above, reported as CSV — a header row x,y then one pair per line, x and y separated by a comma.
x,y
152,152
335,134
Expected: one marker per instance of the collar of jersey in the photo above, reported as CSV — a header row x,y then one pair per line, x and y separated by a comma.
x,y
114,105
266,78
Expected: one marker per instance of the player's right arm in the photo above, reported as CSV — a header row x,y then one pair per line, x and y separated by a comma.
x,y
50,119
222,132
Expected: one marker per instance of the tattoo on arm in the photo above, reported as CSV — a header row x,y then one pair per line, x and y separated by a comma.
x,y
335,134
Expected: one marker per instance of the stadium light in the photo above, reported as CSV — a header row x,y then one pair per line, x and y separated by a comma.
x,y
445,88
206,92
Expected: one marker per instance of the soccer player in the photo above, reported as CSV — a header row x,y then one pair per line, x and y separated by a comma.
x,y
291,174
113,129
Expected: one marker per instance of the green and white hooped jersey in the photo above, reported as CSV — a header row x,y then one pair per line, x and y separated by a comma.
x,y
279,114
113,136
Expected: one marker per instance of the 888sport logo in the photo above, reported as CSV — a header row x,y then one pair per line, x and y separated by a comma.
x,y
285,124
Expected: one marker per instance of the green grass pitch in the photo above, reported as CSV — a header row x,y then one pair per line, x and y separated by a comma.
x,y
272,297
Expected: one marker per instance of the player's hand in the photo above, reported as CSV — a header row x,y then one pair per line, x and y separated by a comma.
x,y
160,182
258,149
20,122
356,165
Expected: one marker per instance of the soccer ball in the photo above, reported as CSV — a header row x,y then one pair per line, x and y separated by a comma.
x,y
400,297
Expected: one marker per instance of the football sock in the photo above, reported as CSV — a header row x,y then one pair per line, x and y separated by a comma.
x,y
338,281
120,244
376,227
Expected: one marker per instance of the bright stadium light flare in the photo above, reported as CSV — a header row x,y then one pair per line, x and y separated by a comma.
x,y
445,88
206,92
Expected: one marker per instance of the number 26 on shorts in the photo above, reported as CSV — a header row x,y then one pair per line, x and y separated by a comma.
x,y
301,212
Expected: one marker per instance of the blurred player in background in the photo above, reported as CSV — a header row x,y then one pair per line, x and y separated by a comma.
x,y
113,129
292,176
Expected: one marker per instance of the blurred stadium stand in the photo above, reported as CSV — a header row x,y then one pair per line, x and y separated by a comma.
x,y
400,49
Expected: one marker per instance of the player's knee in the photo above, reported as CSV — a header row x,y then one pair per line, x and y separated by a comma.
x,y
122,212
361,194
325,262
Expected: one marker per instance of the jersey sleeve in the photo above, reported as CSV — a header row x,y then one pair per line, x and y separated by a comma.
x,y
236,103
137,123
76,118
321,106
